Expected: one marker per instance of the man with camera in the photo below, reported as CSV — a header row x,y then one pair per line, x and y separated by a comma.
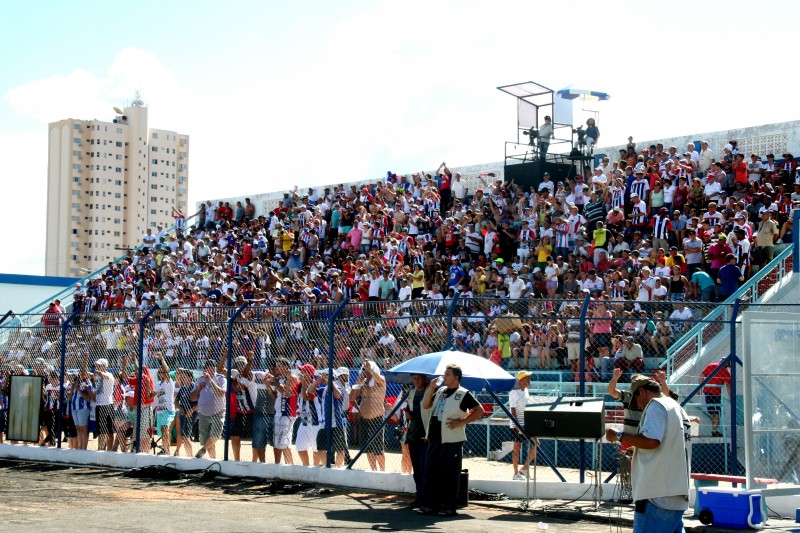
x,y
453,408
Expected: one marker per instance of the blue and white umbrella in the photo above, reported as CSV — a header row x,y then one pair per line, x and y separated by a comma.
x,y
478,373
569,93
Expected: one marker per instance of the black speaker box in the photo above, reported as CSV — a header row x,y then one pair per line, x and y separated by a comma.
x,y
566,418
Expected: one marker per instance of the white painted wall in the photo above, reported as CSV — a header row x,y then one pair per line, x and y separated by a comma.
x,y
20,298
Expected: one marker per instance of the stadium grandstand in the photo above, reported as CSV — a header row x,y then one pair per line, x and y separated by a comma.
x,y
642,264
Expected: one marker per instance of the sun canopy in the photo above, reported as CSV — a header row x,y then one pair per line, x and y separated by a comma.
x,y
570,93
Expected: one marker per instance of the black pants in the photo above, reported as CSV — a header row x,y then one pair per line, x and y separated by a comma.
x,y
443,474
418,449
444,202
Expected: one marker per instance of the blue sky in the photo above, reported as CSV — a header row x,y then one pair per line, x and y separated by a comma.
x,y
275,94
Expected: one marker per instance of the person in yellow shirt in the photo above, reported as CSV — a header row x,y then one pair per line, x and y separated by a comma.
x,y
287,239
599,239
544,250
417,281
478,282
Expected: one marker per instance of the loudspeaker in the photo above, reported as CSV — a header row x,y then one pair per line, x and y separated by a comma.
x,y
566,418
462,499
530,174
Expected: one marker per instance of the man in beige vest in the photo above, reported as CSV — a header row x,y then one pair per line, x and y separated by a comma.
x,y
661,462
453,407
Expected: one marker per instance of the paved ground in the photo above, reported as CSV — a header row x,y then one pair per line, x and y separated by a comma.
x,y
51,498
40,498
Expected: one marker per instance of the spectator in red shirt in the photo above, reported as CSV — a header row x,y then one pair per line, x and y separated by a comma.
x,y
739,169
713,393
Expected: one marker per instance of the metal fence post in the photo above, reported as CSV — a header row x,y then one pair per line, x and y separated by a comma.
x,y
734,408
796,239
64,328
229,388
582,379
139,374
331,378
450,312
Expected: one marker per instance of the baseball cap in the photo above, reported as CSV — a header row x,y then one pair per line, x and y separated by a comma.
x,y
639,380
308,368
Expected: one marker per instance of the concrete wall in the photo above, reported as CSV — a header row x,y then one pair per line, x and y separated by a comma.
x,y
775,138
266,202
19,293
767,138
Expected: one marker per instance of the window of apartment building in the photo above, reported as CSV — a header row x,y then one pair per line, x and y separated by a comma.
x,y
155,135
154,161
118,157
76,153
116,234
76,193
117,208
154,148
153,186
76,126
117,195
181,192
152,211
183,154
76,179
73,245
77,207
118,170
119,131
74,231
183,142
154,174
118,183
153,199
76,166
119,144
117,221
152,224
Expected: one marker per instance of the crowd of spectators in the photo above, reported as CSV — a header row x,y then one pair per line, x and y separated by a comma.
x,y
643,235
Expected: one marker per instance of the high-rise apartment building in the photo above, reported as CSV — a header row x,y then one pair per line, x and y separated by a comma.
x,y
108,182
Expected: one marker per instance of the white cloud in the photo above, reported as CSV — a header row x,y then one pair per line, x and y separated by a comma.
x,y
86,95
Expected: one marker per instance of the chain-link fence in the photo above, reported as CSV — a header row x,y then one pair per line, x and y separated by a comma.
x,y
289,383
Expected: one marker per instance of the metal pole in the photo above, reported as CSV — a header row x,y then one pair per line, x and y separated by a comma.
x,y
64,327
8,314
331,377
450,312
516,423
582,381
734,361
229,388
796,239
139,374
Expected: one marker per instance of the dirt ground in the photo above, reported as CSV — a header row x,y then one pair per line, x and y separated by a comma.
x,y
60,498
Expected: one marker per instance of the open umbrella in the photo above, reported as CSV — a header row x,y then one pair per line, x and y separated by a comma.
x,y
478,373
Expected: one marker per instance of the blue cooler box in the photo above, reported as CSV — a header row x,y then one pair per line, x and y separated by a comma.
x,y
728,507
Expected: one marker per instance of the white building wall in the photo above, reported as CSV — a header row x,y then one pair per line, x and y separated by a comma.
x,y
91,220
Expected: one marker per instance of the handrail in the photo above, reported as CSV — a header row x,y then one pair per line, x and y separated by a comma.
x,y
695,334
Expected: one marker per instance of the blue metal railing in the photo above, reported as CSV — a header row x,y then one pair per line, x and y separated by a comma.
x,y
748,293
